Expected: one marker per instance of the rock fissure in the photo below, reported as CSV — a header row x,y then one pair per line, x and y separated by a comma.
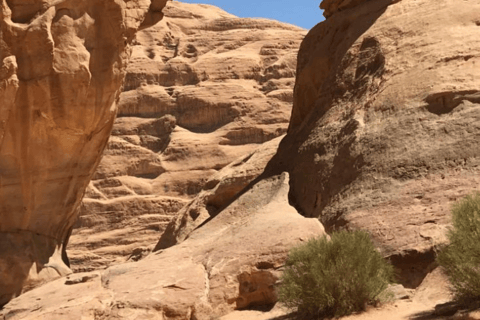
x,y
206,296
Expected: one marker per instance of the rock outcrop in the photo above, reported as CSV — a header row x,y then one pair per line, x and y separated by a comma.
x,y
384,136
219,191
62,64
385,128
331,6
203,89
231,262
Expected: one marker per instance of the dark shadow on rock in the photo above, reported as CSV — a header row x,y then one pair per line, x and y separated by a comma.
x,y
329,42
447,310
22,250
262,308
326,48
332,36
442,311
412,266
290,316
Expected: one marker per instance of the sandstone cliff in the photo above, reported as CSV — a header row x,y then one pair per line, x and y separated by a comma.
x,y
385,128
203,89
385,125
62,64
384,136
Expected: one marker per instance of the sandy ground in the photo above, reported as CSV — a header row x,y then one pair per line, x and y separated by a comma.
x,y
399,310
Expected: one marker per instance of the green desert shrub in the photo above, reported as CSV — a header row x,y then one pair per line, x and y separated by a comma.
x,y
461,259
334,277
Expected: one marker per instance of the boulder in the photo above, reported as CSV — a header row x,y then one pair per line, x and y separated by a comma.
x,y
219,191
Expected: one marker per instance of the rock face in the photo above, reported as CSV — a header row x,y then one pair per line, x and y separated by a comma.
x,y
332,6
62,64
231,262
385,128
203,89
384,135
219,191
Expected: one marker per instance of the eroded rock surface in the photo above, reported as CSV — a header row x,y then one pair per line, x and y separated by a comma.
x,y
332,6
384,137
219,191
62,64
203,89
385,128
231,262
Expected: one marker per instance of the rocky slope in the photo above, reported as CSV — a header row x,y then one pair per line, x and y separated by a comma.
x,y
62,64
231,262
385,127
203,89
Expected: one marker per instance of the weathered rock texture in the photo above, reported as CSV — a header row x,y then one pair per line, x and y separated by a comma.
x,y
219,191
385,128
384,136
231,262
331,6
62,64
203,89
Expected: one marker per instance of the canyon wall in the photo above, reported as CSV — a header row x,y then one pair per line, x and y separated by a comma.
x,y
203,89
384,136
62,64
385,127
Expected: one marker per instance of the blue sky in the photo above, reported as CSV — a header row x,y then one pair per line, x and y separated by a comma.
x,y
303,13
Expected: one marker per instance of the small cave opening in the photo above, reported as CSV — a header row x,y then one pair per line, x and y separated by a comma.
x,y
445,102
411,267
23,11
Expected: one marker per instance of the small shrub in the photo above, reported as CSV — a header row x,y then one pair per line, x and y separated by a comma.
x,y
336,277
461,259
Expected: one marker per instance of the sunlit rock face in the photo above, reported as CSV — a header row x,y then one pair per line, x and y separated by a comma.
x,y
62,64
203,89
385,128
231,262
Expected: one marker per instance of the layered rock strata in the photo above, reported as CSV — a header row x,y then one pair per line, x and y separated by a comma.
x,y
384,137
385,128
231,262
203,89
62,64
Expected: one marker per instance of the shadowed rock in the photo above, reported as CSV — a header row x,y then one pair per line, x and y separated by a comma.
x,y
385,127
